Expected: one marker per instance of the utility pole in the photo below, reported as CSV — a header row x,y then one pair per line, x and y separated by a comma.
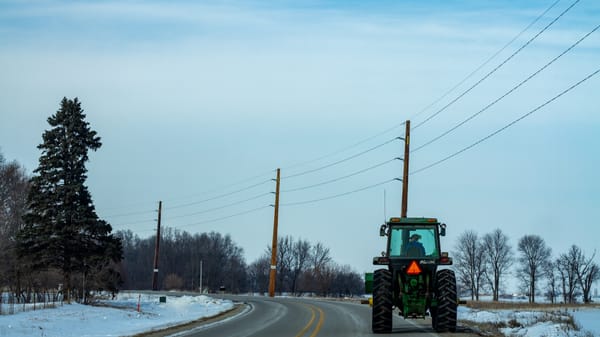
x,y
155,272
405,174
273,272
201,261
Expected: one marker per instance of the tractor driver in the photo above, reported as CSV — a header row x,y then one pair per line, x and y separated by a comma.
x,y
414,247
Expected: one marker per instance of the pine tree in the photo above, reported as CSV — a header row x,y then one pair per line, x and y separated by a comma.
x,y
62,229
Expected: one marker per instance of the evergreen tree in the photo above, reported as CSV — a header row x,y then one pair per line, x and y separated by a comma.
x,y
62,229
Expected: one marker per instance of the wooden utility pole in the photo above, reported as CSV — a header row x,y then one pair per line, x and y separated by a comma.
x,y
405,174
155,272
201,262
273,272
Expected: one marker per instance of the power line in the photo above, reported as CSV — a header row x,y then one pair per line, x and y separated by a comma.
x,y
128,214
361,142
508,92
341,194
487,61
437,100
369,138
239,182
506,126
331,154
219,196
223,218
134,223
342,160
220,207
341,178
497,67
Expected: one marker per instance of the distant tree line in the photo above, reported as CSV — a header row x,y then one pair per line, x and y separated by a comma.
x,y
182,258
303,267
187,259
482,264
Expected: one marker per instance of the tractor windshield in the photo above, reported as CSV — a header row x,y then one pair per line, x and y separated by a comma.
x,y
413,241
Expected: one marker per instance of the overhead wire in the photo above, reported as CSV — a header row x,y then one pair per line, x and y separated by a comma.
x,y
486,61
239,182
496,68
508,92
132,223
331,154
129,214
224,217
341,160
219,196
340,178
339,195
362,142
506,126
372,137
219,207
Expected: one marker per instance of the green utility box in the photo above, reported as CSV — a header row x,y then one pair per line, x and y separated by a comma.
x,y
368,283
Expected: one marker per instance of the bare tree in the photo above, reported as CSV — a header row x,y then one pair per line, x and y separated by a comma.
x,y
587,280
258,274
285,258
550,272
14,186
498,257
469,262
319,257
534,255
586,270
301,253
567,270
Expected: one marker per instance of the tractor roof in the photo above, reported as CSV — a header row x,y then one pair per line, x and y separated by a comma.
x,y
414,221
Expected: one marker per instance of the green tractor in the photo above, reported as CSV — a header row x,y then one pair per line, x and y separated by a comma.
x,y
411,280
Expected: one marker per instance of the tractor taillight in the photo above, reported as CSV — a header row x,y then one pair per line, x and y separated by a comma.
x,y
381,260
413,268
445,259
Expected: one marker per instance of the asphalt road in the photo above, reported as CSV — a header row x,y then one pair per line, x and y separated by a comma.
x,y
293,317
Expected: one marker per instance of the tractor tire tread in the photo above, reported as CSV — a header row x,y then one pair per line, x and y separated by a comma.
x,y
382,301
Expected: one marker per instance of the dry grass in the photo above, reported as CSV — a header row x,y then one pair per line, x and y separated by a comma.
x,y
487,329
487,305
557,313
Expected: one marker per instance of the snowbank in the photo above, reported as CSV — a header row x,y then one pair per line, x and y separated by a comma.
x,y
537,323
120,319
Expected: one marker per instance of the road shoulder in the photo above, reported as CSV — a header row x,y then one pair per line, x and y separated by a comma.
x,y
238,308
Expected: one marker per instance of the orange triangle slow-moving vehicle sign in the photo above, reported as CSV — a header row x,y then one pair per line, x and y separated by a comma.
x,y
413,268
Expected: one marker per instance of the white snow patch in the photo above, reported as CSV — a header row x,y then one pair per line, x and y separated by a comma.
x,y
537,323
92,321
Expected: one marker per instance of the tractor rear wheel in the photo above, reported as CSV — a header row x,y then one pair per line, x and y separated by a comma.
x,y
445,312
382,301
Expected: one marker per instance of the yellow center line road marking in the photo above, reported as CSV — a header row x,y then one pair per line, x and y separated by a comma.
x,y
321,320
307,326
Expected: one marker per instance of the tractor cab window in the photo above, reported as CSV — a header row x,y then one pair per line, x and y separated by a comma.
x,y
413,241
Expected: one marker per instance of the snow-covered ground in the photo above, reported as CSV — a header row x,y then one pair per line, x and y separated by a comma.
x,y
538,323
85,320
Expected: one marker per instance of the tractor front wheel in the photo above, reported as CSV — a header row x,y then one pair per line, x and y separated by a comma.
x,y
382,301
444,315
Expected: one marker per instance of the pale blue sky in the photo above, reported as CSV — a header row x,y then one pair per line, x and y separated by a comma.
x,y
193,100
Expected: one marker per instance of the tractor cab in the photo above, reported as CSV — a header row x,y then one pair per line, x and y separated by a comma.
x,y
413,238
413,241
